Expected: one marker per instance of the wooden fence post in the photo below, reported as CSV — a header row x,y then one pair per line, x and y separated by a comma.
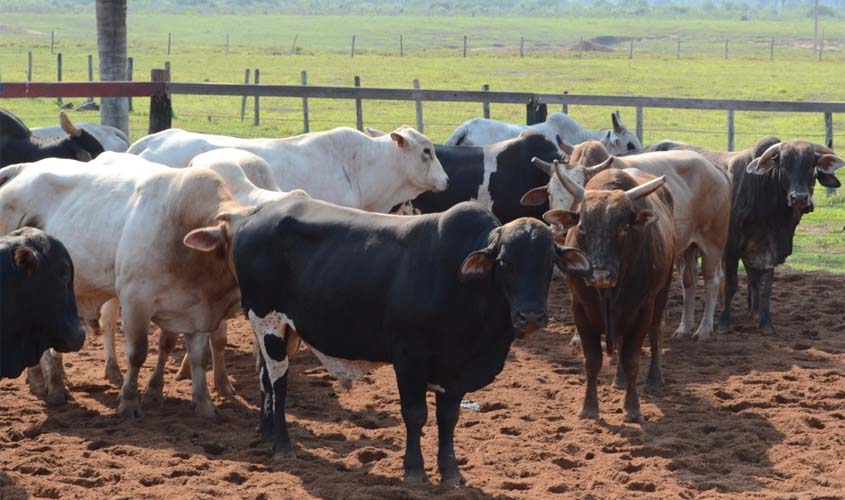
x,y
227,43
168,42
821,47
565,107
167,70
535,112
293,45
52,40
161,109
828,129
256,79
305,126
90,73
730,130
631,49
420,123
465,45
353,47
29,66
679,49
59,71
130,63
485,106
359,108
401,46
243,98
726,50
521,46
640,123
772,50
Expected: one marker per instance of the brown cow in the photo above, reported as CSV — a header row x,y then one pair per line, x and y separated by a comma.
x,y
702,201
628,236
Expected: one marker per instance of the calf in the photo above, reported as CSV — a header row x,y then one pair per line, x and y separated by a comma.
x,y
129,232
772,189
628,236
18,145
37,307
341,166
701,194
439,296
484,131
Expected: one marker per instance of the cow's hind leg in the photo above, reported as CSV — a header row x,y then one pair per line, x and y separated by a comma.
x,y
271,339
731,265
412,379
654,382
197,344
136,324
766,281
155,387
711,266
591,346
448,410
222,385
107,325
688,264
752,296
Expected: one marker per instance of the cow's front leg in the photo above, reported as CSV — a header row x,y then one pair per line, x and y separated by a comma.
x,y
688,265
271,340
222,385
619,378
731,265
448,411
265,426
197,344
712,269
155,387
765,291
47,379
412,379
752,297
136,323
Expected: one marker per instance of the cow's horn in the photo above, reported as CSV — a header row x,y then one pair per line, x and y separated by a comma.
x,y
67,126
769,154
601,166
564,146
574,189
823,150
646,189
545,166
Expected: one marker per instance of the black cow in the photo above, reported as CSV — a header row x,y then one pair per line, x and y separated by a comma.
x,y
439,296
495,176
772,189
18,145
37,305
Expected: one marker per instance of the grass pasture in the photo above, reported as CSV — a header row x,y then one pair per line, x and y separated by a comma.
x,y
433,48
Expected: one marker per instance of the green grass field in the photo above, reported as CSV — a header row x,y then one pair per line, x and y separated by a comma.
x,y
433,47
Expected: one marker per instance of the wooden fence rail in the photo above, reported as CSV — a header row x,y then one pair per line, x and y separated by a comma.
x,y
536,101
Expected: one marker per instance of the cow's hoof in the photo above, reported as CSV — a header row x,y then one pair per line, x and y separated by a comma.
x,y
453,480
575,341
224,388
416,477
284,454
723,329
681,332
184,372
619,381
129,408
114,375
38,389
58,397
634,417
703,335
654,388
153,397
767,329
205,409
589,414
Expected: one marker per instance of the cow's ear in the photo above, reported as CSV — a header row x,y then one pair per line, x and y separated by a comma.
x,y
828,163
25,260
374,132
573,261
645,217
477,265
206,239
564,218
399,139
827,180
535,197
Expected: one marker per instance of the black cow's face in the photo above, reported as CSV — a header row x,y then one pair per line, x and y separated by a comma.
x,y
85,146
797,165
44,313
520,259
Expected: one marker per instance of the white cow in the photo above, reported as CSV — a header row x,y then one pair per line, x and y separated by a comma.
x,y
132,234
341,166
110,138
483,131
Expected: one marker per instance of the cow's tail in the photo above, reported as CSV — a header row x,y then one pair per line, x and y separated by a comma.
x,y
457,137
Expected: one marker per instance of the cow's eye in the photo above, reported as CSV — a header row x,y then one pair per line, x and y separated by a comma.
x,y
631,146
427,153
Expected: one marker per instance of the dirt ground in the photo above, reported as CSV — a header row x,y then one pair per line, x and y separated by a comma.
x,y
744,416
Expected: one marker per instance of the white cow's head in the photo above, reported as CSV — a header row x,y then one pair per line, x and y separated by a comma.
x,y
418,159
620,140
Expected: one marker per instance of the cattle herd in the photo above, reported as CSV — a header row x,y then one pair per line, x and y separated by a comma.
x,y
380,248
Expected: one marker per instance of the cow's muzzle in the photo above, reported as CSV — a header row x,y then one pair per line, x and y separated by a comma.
x,y
72,339
530,320
602,279
799,200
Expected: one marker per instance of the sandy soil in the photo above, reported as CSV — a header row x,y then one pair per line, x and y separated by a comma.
x,y
745,416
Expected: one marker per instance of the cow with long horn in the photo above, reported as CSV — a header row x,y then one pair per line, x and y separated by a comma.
x,y
18,145
623,222
772,189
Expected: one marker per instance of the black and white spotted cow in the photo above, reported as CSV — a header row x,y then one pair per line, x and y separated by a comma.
x,y
495,176
439,296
